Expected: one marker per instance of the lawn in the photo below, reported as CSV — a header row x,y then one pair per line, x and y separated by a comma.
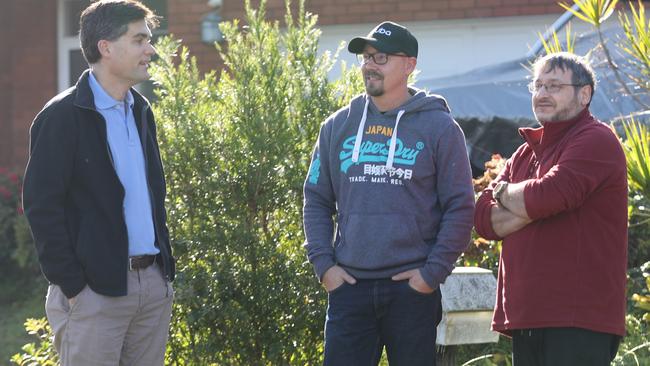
x,y
22,299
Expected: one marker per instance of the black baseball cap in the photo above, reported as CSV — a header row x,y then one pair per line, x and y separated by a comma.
x,y
387,37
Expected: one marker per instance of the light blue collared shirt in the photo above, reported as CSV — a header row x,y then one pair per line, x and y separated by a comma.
x,y
128,160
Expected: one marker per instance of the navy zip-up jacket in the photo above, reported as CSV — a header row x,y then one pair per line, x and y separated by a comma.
x,y
73,197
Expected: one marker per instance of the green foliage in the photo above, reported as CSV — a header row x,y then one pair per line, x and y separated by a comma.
x,y
236,151
635,348
637,43
17,252
10,188
555,45
482,252
41,352
22,299
642,299
637,153
491,354
638,231
21,277
594,12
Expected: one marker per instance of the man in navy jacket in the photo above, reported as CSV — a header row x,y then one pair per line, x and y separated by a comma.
x,y
94,196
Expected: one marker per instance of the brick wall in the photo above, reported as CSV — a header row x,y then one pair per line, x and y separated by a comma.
x,y
28,72
184,17
6,128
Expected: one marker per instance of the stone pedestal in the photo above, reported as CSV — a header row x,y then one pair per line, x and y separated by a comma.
x,y
468,299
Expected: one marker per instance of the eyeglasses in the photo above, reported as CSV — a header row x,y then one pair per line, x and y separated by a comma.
x,y
379,58
551,88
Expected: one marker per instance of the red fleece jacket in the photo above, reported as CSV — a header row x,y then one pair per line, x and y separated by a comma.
x,y
568,267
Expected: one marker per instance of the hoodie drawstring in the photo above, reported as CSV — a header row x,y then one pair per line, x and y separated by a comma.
x,y
393,139
357,142
393,142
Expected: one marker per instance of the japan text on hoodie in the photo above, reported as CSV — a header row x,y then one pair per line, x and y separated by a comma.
x,y
399,186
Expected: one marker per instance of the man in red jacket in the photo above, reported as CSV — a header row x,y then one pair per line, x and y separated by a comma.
x,y
560,206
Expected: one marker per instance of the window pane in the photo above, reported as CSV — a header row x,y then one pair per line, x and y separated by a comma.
x,y
77,65
72,12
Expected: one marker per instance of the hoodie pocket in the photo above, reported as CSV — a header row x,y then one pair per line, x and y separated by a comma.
x,y
380,241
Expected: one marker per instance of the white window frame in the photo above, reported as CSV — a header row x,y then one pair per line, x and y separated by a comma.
x,y
66,44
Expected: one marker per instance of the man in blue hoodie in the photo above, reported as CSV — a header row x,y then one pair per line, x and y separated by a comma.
x,y
392,169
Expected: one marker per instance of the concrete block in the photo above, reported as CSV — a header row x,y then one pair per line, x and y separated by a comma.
x,y
468,299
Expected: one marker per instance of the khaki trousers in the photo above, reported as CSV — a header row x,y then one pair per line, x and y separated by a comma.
x,y
104,330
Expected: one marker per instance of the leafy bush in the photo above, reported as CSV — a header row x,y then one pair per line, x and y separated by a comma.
x,y
637,152
16,248
636,44
482,252
642,299
236,151
41,352
635,348
21,281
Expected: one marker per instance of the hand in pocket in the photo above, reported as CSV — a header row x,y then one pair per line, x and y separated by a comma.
x,y
334,278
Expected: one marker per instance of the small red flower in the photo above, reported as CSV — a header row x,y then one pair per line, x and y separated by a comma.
x,y
13,177
5,193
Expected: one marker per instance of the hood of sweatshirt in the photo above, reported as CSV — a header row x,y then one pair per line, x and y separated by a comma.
x,y
420,101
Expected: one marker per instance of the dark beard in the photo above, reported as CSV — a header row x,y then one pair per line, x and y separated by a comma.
x,y
375,92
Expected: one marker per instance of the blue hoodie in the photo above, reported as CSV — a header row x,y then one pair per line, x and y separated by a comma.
x,y
399,186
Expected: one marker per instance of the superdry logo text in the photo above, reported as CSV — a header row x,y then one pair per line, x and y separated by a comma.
x,y
377,152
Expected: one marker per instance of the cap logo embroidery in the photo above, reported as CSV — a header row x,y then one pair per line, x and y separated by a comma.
x,y
383,31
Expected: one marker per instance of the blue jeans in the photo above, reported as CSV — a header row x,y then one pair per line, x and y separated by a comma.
x,y
365,317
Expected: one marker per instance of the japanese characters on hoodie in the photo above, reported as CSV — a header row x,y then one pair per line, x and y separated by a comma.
x,y
397,184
